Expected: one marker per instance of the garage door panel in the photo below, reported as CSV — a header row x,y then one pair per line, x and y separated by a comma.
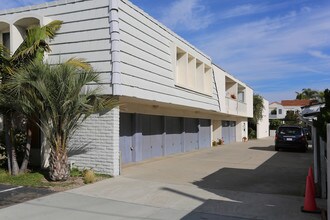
x,y
173,138
225,132
232,131
126,138
190,134
151,136
229,131
204,133
156,137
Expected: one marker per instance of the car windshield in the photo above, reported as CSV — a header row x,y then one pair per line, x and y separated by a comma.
x,y
289,131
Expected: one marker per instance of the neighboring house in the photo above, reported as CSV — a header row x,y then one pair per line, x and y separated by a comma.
x,y
309,112
173,98
278,110
263,124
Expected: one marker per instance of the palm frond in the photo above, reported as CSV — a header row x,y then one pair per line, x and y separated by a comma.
x,y
55,93
5,62
79,63
35,43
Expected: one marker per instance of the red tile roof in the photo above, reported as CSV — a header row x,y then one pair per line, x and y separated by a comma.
x,y
296,102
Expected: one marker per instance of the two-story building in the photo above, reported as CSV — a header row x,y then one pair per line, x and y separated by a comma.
x,y
173,97
278,110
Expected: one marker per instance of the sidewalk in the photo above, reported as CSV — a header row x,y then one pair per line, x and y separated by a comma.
x,y
186,186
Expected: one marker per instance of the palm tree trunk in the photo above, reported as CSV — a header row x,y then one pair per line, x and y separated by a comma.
x,y
14,164
13,168
58,165
7,129
27,151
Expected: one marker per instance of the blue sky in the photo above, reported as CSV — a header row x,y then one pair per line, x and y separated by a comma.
x,y
277,47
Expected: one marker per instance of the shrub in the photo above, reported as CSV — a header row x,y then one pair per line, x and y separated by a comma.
x,y
252,134
274,124
75,172
2,155
89,176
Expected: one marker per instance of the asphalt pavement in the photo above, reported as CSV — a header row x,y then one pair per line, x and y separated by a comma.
x,y
12,195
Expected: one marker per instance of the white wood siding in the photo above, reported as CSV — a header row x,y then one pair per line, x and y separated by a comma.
x,y
84,33
147,63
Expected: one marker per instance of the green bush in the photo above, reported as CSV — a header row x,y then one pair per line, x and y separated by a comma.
x,y
75,172
252,134
274,124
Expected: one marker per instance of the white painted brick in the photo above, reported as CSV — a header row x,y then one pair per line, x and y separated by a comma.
x,y
97,143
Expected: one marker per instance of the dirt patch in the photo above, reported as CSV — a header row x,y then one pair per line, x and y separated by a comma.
x,y
71,183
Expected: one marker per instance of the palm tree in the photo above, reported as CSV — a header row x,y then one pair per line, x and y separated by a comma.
x,y
309,94
258,106
60,96
32,48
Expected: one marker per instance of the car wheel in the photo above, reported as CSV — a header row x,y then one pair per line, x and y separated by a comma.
x,y
306,149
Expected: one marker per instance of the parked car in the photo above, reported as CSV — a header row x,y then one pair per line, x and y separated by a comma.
x,y
291,137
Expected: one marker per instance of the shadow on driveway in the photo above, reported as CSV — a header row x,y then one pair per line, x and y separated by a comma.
x,y
274,190
284,173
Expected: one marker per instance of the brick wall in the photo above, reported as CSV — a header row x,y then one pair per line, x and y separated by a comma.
x,y
96,143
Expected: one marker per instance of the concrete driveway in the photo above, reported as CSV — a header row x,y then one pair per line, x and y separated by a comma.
x,y
237,181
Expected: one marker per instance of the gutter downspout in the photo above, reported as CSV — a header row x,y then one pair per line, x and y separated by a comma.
x,y
115,47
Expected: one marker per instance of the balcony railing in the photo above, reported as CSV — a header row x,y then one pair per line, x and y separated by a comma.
x,y
235,107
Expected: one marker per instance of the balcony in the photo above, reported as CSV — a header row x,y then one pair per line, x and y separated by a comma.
x,y
235,107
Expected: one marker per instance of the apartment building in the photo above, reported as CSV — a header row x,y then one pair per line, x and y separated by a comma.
x,y
173,97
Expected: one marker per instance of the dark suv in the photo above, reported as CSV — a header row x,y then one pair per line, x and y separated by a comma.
x,y
291,136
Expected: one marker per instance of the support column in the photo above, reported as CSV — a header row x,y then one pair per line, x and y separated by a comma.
x,y
328,168
323,166
315,154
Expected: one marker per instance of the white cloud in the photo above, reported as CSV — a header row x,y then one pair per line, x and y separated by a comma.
x,y
242,10
319,54
272,48
189,15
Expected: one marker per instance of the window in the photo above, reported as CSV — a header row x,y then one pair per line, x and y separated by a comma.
x,y
192,73
273,112
6,40
280,111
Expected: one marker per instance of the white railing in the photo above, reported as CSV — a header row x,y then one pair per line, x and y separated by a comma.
x,y
235,108
241,108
